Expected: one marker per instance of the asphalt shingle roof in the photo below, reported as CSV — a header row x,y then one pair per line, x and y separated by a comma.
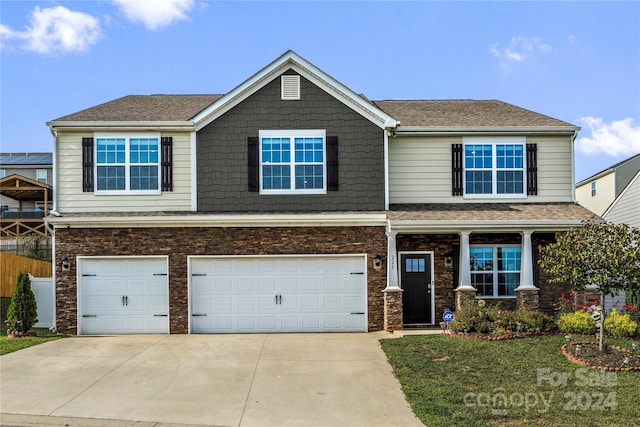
x,y
133,108
421,113
464,113
491,212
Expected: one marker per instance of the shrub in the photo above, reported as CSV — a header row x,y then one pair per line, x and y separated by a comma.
x,y
578,322
534,321
22,313
475,316
565,304
620,325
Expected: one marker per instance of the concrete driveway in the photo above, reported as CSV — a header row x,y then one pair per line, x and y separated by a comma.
x,y
213,380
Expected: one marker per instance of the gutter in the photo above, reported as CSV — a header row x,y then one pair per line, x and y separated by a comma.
x,y
122,125
475,130
149,221
475,226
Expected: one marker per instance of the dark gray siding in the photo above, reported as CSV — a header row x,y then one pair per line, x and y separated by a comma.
x,y
625,173
222,153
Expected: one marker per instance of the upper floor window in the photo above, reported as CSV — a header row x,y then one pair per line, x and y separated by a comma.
x,y
593,189
41,175
495,270
494,167
292,162
127,163
3,173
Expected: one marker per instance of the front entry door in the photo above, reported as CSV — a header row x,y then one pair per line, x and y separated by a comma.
x,y
416,282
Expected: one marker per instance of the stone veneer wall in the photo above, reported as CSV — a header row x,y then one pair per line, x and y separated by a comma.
x,y
447,244
178,243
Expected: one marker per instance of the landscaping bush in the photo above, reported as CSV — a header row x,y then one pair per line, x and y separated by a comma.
x,y
620,325
22,313
578,322
482,318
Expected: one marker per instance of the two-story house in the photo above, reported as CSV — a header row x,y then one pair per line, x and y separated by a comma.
x,y
291,203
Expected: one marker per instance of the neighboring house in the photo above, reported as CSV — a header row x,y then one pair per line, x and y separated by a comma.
x,y
26,193
292,203
614,194
598,192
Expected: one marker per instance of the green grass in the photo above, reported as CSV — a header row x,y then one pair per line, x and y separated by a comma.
x,y
460,382
9,345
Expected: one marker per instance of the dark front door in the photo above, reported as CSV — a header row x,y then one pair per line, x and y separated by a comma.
x,y
416,282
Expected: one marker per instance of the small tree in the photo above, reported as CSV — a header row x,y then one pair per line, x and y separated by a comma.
x,y
22,313
605,255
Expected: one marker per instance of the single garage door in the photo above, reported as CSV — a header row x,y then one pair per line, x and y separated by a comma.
x,y
123,295
278,294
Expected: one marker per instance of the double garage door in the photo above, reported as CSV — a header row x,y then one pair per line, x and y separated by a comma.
x,y
227,294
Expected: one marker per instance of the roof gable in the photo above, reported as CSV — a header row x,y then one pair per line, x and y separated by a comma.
x,y
291,60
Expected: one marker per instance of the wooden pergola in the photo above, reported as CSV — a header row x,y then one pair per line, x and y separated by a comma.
x,y
19,223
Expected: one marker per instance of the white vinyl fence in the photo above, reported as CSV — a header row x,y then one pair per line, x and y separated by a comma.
x,y
43,290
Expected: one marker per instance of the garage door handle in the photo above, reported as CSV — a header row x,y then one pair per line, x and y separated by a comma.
x,y
356,273
89,315
89,275
198,274
357,312
160,315
199,315
159,274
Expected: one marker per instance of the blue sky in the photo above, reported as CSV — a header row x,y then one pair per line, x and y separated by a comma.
x,y
576,61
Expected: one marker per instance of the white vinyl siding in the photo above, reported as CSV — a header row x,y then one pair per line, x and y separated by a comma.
x,y
420,170
626,208
70,197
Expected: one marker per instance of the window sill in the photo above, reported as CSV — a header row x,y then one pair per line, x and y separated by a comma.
x,y
127,193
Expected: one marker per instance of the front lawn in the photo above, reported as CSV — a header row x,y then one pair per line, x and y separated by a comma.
x,y
9,345
528,381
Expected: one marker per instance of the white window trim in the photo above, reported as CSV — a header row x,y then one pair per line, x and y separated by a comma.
x,y
594,188
495,271
3,173
494,141
127,164
304,133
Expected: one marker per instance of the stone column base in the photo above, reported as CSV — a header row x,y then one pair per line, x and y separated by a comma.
x,y
528,298
392,310
464,296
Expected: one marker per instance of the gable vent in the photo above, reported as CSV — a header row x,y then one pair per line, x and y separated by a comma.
x,y
290,87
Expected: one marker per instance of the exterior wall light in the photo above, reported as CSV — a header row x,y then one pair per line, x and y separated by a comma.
x,y
377,262
64,263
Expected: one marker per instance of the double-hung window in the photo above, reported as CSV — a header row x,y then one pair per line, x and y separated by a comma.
x,y
293,162
495,270
494,167
127,163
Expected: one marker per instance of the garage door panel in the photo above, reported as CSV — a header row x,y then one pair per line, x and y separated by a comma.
x,y
123,295
272,294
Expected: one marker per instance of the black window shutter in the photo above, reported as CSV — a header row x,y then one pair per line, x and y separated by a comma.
x,y
532,169
332,163
253,160
87,165
456,169
166,162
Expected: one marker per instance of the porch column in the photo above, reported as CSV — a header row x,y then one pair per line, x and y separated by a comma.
x,y
393,293
392,261
527,292
464,286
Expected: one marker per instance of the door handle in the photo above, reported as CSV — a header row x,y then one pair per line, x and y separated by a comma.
x,y
122,299
126,300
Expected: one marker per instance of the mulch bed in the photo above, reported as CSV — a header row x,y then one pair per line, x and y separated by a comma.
x,y
612,358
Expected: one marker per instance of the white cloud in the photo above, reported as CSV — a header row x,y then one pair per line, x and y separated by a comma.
x,y
154,14
56,29
614,138
519,50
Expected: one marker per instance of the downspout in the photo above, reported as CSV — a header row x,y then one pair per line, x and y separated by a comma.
x,y
573,166
54,133
52,230
386,132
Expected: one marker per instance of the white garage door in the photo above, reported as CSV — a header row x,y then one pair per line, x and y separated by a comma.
x,y
278,294
123,295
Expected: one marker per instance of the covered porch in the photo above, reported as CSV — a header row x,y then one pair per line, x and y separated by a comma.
x,y
25,220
